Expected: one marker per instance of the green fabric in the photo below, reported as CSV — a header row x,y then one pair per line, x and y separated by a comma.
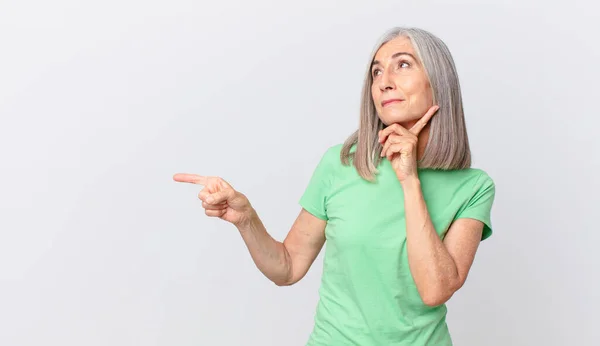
x,y
367,294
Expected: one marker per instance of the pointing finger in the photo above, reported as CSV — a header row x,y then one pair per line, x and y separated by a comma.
x,y
190,178
416,129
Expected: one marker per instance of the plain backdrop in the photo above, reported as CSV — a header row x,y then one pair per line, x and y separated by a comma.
x,y
102,102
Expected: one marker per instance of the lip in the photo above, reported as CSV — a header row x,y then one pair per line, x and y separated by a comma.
x,y
387,102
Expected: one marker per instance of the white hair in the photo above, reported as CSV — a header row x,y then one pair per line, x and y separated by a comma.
x,y
448,144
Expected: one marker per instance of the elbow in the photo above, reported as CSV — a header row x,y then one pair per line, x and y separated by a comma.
x,y
438,294
433,300
283,283
285,276
285,280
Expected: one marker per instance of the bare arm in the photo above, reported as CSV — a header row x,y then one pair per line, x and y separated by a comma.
x,y
285,263
438,267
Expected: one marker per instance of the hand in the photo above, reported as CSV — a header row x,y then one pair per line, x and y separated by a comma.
x,y
219,199
400,146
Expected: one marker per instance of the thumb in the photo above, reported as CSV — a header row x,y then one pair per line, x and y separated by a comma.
x,y
220,196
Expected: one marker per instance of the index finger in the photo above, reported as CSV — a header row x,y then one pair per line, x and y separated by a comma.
x,y
424,120
190,178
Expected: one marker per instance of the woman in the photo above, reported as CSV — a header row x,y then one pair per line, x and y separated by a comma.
x,y
401,209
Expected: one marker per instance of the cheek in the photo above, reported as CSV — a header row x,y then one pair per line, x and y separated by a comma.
x,y
421,94
374,93
375,96
427,99
426,92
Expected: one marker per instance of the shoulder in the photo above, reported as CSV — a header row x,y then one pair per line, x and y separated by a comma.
x,y
475,182
480,178
460,182
328,162
335,149
473,175
332,155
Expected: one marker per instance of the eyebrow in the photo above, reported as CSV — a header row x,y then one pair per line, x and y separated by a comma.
x,y
376,62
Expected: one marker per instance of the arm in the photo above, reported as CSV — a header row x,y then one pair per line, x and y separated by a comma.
x,y
438,267
285,263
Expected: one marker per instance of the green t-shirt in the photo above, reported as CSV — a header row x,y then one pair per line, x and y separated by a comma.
x,y
367,293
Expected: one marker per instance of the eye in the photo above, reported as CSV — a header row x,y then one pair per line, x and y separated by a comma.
x,y
376,72
403,64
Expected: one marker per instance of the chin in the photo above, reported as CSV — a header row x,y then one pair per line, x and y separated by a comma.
x,y
389,119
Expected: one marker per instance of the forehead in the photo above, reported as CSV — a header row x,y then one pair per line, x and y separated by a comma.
x,y
398,44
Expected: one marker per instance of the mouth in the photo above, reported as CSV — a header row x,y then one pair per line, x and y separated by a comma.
x,y
390,101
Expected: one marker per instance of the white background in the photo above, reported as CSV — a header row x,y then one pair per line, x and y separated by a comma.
x,y
101,103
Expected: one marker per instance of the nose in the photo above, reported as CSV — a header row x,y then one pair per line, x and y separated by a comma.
x,y
386,82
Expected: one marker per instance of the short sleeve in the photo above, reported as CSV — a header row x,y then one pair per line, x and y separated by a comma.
x,y
314,198
479,206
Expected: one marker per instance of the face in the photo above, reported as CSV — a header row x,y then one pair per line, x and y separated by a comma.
x,y
400,89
